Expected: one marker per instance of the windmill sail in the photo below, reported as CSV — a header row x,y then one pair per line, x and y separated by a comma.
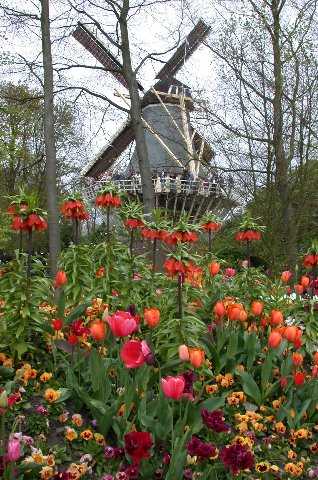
x,y
185,50
100,52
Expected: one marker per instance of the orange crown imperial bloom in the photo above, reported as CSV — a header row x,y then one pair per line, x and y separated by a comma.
x,y
152,317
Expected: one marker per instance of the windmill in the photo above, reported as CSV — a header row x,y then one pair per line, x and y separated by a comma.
x,y
174,146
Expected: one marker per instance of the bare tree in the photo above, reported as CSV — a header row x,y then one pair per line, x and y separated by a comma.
x,y
49,138
263,116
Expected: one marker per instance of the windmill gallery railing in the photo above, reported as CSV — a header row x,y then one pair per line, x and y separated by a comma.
x,y
177,196
165,185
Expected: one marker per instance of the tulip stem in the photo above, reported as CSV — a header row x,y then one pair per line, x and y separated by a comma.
x,y
210,240
180,299
154,252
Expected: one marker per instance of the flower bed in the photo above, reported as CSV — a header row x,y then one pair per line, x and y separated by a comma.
x,y
203,371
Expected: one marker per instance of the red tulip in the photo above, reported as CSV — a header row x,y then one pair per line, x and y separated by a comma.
x,y
274,339
132,354
122,323
299,378
305,281
152,317
286,276
60,279
297,359
98,330
257,308
72,339
57,324
137,445
314,371
315,357
173,387
310,260
214,268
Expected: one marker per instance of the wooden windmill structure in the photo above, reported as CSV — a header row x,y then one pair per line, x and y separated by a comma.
x,y
174,146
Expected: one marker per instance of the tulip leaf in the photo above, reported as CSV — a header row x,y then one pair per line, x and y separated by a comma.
x,y
250,387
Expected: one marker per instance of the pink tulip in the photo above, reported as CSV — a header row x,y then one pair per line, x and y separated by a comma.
x,y
13,450
122,323
133,353
184,353
173,387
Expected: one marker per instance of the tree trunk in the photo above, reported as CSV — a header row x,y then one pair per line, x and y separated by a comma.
x,y
280,155
49,139
135,112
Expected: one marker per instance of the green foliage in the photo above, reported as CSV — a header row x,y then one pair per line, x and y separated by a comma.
x,y
22,319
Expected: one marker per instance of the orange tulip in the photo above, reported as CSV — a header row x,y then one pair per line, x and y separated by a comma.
x,y
305,281
98,330
297,358
286,276
152,317
243,316
234,311
315,357
274,339
257,308
214,268
196,357
290,333
276,317
219,309
299,289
